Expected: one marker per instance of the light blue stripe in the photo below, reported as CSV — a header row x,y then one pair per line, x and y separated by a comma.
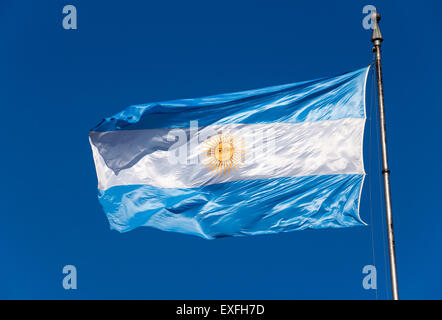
x,y
248,207
324,99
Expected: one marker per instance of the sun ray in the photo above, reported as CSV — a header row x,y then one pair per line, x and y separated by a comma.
x,y
223,153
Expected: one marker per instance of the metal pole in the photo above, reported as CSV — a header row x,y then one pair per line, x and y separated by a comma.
x,y
377,40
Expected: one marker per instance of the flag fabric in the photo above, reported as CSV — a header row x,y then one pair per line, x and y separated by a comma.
x,y
263,161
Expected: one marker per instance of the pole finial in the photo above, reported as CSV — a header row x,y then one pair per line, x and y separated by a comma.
x,y
376,37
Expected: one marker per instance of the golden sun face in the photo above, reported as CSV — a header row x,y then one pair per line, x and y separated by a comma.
x,y
223,153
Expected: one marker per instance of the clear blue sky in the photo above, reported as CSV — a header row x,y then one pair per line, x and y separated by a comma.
x,y
55,85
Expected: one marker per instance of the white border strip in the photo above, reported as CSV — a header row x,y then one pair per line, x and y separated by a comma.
x,y
303,149
362,147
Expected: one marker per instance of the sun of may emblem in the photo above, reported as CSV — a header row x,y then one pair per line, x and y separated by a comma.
x,y
223,153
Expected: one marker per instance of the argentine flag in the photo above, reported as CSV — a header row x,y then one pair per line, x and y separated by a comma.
x,y
262,161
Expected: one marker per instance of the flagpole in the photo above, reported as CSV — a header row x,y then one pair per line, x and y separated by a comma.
x,y
377,40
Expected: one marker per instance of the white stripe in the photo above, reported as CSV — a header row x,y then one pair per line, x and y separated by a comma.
x,y
301,149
